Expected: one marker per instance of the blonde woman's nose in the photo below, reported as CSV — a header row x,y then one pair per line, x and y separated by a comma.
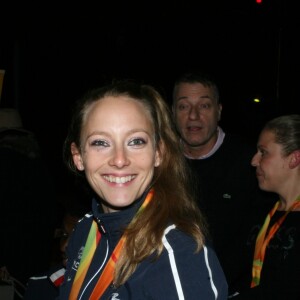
x,y
119,158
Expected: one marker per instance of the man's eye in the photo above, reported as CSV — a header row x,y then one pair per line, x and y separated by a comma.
x,y
137,142
205,106
182,107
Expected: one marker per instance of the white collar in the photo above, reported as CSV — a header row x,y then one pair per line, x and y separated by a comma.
x,y
220,139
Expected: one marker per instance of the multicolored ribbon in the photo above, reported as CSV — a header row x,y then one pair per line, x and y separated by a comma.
x,y
262,240
88,253
87,256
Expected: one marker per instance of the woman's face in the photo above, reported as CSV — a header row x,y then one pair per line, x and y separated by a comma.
x,y
118,151
272,168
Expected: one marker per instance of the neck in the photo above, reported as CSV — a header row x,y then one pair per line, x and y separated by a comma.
x,y
286,203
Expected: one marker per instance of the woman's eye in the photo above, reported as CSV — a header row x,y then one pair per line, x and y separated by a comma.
x,y
137,142
99,143
262,152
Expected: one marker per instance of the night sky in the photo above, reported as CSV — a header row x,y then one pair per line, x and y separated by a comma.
x,y
52,55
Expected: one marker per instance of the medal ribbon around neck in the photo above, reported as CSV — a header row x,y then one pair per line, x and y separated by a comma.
x,y
90,247
262,240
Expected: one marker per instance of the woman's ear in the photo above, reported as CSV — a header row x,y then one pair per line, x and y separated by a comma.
x,y
77,159
159,154
295,159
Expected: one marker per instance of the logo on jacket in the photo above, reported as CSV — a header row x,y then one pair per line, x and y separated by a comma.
x,y
226,196
76,262
115,296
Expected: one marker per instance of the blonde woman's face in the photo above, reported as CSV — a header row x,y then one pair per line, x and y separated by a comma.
x,y
118,151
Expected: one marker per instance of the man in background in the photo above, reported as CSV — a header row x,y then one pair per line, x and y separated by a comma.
x,y
223,178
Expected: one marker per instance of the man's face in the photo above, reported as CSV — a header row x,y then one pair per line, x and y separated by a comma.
x,y
196,113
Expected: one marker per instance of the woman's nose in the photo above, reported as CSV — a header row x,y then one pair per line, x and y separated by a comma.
x,y
119,158
255,160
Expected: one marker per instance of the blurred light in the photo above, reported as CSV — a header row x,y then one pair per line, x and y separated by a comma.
x,y
256,100
258,1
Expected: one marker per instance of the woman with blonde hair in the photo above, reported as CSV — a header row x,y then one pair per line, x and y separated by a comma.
x,y
145,237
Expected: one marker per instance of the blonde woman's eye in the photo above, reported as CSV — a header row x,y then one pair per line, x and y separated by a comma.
x,y
137,142
99,143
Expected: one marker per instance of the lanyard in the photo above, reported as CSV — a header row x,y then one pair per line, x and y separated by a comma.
x,y
88,253
86,258
262,240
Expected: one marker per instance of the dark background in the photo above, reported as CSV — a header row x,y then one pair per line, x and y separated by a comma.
x,y
52,55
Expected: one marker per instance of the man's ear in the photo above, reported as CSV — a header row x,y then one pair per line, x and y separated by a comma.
x,y
295,159
220,111
77,159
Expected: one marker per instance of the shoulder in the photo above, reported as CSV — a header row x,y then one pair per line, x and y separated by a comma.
x,y
175,237
237,144
200,271
239,140
45,284
183,244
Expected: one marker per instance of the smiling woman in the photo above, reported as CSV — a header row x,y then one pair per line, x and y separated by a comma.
x,y
144,228
119,150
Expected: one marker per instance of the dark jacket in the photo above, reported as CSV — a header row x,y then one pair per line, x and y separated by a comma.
x,y
178,270
227,192
281,268
45,285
